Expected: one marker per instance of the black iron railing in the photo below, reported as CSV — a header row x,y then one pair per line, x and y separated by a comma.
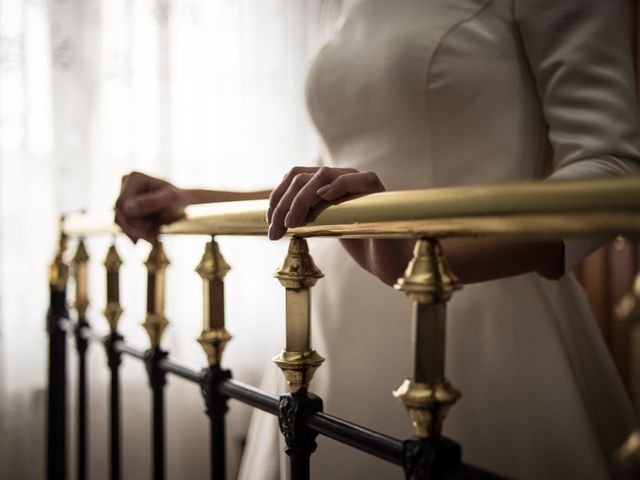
x,y
525,209
301,417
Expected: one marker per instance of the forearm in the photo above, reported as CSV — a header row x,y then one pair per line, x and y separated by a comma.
x,y
480,260
145,203
472,260
194,196
386,259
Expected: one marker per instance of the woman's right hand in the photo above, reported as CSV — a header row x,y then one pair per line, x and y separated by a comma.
x,y
145,203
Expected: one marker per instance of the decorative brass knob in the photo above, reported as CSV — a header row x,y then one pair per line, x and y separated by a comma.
x,y
212,269
429,284
428,277
298,274
81,274
155,322
628,455
113,309
59,270
298,271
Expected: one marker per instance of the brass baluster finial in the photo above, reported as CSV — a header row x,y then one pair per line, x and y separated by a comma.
x,y
155,322
298,274
59,270
113,309
81,276
429,284
214,337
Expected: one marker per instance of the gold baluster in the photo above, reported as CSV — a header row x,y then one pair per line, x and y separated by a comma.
x,y
155,322
59,270
214,336
81,276
298,274
113,309
429,284
628,310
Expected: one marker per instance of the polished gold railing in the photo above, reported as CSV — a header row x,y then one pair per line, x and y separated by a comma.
x,y
552,209
558,208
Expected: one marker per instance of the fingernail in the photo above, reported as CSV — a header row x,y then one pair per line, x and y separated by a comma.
x,y
276,232
323,190
287,220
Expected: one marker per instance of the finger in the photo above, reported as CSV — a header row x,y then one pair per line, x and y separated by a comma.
x,y
149,203
135,183
131,232
123,226
367,182
276,227
279,191
129,185
307,197
137,228
132,185
123,184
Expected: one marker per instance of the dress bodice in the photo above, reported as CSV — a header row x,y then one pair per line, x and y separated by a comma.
x,y
442,92
424,94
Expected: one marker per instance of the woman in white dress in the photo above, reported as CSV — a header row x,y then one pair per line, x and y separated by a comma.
x,y
429,93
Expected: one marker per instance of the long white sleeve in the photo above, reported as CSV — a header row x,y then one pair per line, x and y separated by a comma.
x,y
580,57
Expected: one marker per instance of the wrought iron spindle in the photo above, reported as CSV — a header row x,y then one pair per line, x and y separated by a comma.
x,y
155,323
57,393
213,339
112,313
427,395
80,264
298,360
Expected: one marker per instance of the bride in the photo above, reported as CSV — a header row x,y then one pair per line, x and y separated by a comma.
x,y
427,93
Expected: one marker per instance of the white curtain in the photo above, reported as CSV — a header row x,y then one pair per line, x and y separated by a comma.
x,y
206,93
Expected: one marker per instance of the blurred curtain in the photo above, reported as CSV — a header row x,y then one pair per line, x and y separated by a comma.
x,y
202,92
205,93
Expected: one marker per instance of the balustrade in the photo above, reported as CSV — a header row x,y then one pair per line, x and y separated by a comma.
x,y
602,206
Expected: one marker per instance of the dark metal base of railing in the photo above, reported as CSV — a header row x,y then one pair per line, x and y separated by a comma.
x,y
82,344
216,408
113,361
57,394
301,417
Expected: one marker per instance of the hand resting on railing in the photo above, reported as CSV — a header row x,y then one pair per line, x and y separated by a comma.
x,y
474,260
145,203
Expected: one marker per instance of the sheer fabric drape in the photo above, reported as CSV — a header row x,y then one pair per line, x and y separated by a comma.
x,y
202,92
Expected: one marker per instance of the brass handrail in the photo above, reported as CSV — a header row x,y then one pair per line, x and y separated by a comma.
x,y
526,208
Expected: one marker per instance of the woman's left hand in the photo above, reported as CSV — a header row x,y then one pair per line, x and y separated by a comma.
x,y
305,187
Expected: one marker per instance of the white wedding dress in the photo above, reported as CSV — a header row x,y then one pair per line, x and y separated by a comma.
x,y
431,93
